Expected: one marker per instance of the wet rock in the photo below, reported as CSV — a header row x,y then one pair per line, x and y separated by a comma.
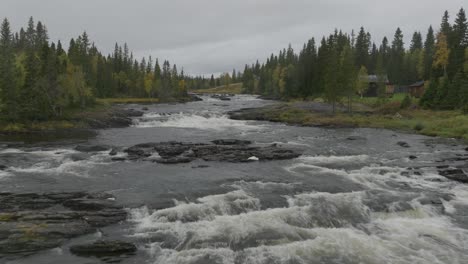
x,y
225,150
412,157
129,113
466,149
195,98
222,97
104,248
2,167
118,159
116,118
200,167
145,109
455,175
86,204
31,222
403,144
353,138
231,142
91,148
113,152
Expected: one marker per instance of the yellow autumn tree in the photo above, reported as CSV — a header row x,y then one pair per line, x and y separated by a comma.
x,y
148,84
442,52
362,83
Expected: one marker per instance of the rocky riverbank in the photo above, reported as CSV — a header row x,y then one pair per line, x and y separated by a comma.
x,y
30,222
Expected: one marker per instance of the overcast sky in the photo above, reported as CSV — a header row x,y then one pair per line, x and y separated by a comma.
x,y
212,36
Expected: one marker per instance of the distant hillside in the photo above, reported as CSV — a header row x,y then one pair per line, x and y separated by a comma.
x,y
235,88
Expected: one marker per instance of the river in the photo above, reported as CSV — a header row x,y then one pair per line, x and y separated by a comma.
x,y
354,196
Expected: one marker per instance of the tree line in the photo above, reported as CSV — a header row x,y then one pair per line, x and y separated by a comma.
x,y
338,66
39,80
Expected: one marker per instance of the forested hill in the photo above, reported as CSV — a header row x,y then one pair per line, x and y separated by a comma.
x,y
39,80
331,68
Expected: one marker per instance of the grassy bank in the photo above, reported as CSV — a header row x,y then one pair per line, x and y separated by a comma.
x,y
432,123
235,88
368,112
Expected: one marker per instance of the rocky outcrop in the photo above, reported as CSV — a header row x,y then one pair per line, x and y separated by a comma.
x,y
117,118
228,150
222,97
31,222
454,175
103,248
195,98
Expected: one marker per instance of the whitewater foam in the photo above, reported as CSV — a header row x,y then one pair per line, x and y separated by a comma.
x,y
203,121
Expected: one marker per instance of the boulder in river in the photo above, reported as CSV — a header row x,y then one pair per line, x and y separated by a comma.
x,y
31,222
403,144
455,175
225,150
104,248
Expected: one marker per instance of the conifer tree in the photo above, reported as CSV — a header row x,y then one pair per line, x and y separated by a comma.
x,y
8,98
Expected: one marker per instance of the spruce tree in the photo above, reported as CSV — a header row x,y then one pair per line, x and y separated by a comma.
x,y
362,48
7,75
396,58
429,49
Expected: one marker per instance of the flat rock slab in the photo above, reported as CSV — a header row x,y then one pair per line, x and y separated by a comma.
x,y
104,248
31,222
454,175
227,150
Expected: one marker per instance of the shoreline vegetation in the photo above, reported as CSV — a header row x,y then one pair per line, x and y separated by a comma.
x,y
368,113
98,115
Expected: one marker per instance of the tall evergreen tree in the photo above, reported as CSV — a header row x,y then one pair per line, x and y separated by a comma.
x,y
397,57
429,49
8,100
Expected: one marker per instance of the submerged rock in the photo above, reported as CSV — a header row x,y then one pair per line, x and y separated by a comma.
x,y
104,248
353,138
229,150
92,148
403,144
31,222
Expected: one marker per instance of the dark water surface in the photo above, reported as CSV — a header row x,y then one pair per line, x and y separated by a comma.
x,y
342,201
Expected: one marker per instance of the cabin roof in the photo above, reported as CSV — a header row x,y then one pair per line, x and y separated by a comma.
x,y
373,78
417,84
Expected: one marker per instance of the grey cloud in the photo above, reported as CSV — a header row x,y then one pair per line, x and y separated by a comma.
x,y
210,36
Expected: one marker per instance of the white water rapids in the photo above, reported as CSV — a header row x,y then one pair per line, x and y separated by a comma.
x,y
343,201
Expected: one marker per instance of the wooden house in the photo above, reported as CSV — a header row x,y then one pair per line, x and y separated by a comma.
x,y
417,89
372,90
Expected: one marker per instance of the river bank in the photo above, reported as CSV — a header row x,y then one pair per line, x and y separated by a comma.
x,y
186,182
448,124
106,113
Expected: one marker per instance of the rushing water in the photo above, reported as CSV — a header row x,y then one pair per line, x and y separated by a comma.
x,y
342,201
